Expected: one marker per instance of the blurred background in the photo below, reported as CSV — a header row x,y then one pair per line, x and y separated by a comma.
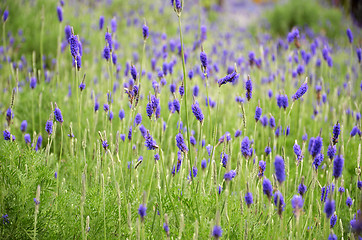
x,y
328,18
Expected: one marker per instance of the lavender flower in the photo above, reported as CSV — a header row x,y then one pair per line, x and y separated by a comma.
x,y
27,138
229,175
138,119
298,151
23,126
316,146
302,188
106,53
336,132
333,220
6,135
32,82
248,88
49,127
203,164
150,143
228,78
105,144
329,207
196,110
338,166
279,169
332,237
258,112
180,142
134,72
60,13
58,115
349,202
318,160
101,22
267,150
349,35
145,32
5,15
142,211
38,143
300,92
297,204
248,198
245,147
203,59
217,230
279,202
267,188
74,45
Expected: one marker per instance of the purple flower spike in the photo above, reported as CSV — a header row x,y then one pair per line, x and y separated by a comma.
x,y
300,92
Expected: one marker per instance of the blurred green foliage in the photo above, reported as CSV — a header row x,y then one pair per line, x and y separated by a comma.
x,y
302,13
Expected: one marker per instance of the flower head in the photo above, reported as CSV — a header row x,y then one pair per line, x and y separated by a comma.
x,y
300,92
329,207
279,169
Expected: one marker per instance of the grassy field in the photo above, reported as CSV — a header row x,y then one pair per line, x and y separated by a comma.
x,y
131,156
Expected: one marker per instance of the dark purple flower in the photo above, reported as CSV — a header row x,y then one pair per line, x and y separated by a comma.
x,y
180,142
7,135
49,127
318,160
355,131
300,92
316,146
359,54
203,164
248,198
196,110
203,59
106,53
333,220
217,232
245,147
33,82
101,22
336,132
145,32
267,150
142,211
237,133
38,143
150,143
272,121
60,13
105,144
105,107
349,202
279,169
302,188
229,175
258,112
329,207
181,90
297,204
27,138
228,78
134,72
58,115
338,166
74,45
279,202
138,119
5,15
298,151
349,35
23,126
248,88
267,188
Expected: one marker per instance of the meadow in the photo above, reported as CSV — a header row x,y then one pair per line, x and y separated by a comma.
x,y
147,120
